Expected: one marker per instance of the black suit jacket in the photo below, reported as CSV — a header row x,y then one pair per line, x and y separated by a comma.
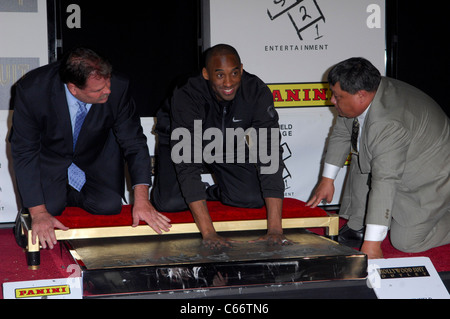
x,y
41,137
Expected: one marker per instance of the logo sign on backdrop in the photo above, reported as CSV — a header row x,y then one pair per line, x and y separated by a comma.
x,y
291,45
11,70
19,6
303,14
301,94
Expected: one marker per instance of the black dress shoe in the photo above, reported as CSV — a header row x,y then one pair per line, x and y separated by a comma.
x,y
350,237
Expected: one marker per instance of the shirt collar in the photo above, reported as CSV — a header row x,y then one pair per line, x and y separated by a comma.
x,y
71,100
362,117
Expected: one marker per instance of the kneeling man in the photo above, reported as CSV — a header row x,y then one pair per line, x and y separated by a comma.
x,y
223,122
400,169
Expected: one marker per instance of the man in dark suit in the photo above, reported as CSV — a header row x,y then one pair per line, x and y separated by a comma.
x,y
60,161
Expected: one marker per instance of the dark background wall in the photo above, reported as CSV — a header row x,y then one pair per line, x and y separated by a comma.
x,y
418,52
156,42
153,42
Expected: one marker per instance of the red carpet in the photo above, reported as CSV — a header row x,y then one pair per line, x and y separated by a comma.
x,y
74,217
13,264
56,263
439,256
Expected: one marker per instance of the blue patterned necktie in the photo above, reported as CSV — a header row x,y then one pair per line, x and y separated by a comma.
x,y
79,119
77,178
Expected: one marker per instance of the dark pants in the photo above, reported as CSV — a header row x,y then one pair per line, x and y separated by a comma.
x,y
236,184
94,198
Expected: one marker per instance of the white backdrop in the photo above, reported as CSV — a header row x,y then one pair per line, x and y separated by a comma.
x,y
24,46
291,45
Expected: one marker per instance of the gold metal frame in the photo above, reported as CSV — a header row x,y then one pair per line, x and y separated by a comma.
x,y
330,222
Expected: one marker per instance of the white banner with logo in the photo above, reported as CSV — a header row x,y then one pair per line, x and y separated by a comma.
x,y
60,288
23,32
291,45
405,278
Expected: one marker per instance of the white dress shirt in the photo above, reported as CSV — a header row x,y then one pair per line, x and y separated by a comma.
x,y
72,102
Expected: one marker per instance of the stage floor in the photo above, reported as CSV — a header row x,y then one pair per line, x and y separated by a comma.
x,y
162,266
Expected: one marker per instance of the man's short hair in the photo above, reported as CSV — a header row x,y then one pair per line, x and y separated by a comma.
x,y
355,74
221,49
81,63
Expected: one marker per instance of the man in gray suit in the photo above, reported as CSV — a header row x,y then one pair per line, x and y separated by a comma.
x,y
399,175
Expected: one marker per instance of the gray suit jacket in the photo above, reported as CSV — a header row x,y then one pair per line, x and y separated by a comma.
x,y
404,157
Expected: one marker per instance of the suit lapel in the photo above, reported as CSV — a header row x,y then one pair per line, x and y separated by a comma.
x,y
88,122
59,101
364,155
377,106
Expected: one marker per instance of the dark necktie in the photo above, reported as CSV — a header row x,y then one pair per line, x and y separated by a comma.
x,y
77,178
355,133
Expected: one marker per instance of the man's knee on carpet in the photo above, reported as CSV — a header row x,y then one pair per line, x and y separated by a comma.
x,y
249,198
109,207
410,239
407,247
421,237
169,205
56,207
